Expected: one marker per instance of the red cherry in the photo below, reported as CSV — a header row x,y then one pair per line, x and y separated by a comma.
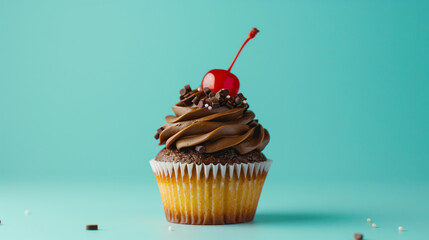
x,y
217,79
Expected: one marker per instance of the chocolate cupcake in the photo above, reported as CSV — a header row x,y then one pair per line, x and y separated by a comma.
x,y
211,170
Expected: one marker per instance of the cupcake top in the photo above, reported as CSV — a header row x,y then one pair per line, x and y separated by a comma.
x,y
212,124
209,122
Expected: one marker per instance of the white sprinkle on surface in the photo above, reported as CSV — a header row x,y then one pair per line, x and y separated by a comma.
x,y
374,225
400,228
244,101
368,220
210,108
170,228
227,96
199,89
26,212
206,105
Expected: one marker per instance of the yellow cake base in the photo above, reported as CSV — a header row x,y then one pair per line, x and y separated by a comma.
x,y
210,194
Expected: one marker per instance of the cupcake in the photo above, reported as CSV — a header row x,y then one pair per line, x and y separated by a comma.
x,y
211,170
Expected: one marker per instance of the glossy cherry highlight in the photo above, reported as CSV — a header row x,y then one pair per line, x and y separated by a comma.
x,y
217,79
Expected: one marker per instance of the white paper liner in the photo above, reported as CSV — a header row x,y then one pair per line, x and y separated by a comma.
x,y
228,170
210,193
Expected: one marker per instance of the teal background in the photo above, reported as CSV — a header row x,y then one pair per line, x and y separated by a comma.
x,y
342,86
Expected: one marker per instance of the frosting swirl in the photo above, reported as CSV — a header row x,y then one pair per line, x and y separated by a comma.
x,y
213,129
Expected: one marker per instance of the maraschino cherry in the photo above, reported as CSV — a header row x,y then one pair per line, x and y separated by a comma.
x,y
217,79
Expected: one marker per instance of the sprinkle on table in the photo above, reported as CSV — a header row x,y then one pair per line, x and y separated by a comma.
x,y
92,227
358,236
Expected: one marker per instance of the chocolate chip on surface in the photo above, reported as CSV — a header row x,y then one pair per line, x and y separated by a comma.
x,y
92,227
358,236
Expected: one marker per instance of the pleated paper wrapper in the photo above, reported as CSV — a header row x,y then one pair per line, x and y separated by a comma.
x,y
210,194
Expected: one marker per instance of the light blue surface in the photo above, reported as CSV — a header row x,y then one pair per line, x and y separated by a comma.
x,y
342,86
132,210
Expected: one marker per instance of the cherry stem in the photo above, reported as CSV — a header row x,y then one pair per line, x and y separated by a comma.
x,y
251,35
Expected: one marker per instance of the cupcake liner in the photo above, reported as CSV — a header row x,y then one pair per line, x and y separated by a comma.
x,y
210,193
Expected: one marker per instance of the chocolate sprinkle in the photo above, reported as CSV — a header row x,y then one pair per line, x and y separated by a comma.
x,y
188,88
195,100
238,100
206,98
358,236
207,91
188,101
241,96
92,227
225,91
229,104
200,103
183,92
200,149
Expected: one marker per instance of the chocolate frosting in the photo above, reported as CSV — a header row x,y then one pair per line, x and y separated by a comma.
x,y
210,130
